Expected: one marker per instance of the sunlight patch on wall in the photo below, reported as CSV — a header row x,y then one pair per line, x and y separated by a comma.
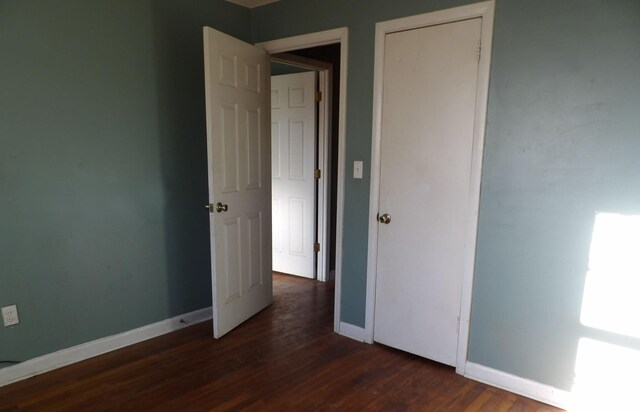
x,y
606,374
606,377
611,300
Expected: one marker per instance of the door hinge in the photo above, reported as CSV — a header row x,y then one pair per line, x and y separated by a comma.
x,y
317,174
316,247
479,51
458,327
318,96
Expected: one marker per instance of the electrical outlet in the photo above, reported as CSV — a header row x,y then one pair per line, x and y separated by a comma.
x,y
10,315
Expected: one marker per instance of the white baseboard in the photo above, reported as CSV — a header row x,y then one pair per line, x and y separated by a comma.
x,y
97,347
352,331
521,386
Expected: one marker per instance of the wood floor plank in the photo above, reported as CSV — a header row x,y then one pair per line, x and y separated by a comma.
x,y
284,358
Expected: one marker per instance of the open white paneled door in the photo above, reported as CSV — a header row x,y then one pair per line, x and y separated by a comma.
x,y
293,145
237,83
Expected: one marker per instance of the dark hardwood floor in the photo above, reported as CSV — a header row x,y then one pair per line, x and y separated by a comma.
x,y
285,358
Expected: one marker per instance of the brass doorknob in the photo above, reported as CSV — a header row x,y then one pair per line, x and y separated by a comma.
x,y
386,218
218,207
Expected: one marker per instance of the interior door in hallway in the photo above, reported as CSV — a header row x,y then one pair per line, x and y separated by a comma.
x,y
237,82
293,137
428,105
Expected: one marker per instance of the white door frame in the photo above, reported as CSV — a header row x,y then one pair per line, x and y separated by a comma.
x,y
484,10
305,41
322,217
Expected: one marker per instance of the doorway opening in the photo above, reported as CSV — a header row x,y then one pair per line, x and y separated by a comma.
x,y
238,161
301,50
305,118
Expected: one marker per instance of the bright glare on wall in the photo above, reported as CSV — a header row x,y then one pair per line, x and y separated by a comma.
x,y
612,287
606,377
606,373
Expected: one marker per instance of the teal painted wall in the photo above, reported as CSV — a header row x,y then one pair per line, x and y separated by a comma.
x,y
103,166
562,142
280,68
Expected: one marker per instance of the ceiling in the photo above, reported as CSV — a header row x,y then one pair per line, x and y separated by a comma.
x,y
252,3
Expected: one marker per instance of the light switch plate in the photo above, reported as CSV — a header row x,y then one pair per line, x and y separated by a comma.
x,y
10,315
357,169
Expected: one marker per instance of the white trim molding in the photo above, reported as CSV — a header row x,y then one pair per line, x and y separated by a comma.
x,y
521,386
84,351
352,331
305,41
485,11
340,36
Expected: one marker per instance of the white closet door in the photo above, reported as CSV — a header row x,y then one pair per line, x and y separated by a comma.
x,y
428,107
